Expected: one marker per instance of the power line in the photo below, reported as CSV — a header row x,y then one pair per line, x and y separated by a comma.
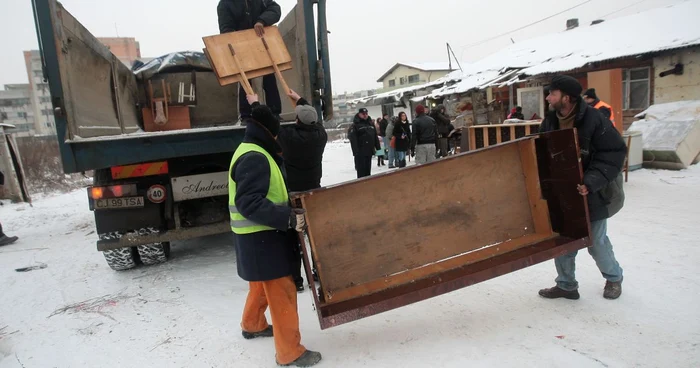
x,y
625,8
523,27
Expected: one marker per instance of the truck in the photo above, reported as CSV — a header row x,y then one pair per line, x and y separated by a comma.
x,y
152,188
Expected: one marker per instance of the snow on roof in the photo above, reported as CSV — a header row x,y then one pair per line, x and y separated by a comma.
x,y
672,111
665,28
394,95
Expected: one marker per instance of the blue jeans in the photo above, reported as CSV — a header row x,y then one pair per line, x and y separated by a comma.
x,y
601,251
400,157
391,154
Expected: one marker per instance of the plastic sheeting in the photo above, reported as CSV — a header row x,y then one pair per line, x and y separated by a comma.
x,y
175,62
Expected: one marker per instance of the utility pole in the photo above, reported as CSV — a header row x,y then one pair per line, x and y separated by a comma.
x,y
450,51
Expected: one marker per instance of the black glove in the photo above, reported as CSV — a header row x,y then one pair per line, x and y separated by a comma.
x,y
413,153
297,220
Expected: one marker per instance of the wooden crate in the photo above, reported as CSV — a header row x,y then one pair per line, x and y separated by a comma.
x,y
456,222
481,136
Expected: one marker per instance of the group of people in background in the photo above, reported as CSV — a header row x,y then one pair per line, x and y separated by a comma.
x,y
394,140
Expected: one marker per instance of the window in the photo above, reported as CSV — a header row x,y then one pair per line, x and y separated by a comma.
x,y
532,101
38,73
392,83
402,81
45,99
22,115
635,88
414,78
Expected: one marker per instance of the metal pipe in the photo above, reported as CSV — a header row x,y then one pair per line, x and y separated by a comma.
x,y
324,56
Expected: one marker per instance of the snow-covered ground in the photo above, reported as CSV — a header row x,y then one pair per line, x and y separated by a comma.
x,y
185,313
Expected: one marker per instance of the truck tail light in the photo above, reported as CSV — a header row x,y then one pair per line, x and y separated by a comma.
x,y
113,191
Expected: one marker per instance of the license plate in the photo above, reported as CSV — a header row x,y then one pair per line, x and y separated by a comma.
x,y
114,203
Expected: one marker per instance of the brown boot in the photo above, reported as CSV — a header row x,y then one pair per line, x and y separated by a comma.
x,y
612,290
556,292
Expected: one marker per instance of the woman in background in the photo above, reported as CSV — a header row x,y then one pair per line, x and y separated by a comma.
x,y
402,138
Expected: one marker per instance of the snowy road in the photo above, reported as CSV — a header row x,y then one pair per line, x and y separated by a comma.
x,y
185,313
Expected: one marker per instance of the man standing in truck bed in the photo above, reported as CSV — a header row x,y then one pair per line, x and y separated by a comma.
x,y
238,15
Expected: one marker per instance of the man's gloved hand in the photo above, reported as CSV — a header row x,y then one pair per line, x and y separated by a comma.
x,y
297,220
413,153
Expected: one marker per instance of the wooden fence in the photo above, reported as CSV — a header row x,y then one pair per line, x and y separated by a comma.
x,y
482,136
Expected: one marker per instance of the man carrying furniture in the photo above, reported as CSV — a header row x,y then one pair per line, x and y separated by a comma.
x,y
238,15
261,218
602,153
303,145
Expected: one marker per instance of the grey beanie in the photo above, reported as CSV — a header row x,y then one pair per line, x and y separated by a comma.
x,y
306,114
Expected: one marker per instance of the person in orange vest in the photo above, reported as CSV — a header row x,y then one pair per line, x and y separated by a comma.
x,y
592,100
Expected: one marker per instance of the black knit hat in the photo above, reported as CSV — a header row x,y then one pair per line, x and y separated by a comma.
x,y
263,115
567,85
590,93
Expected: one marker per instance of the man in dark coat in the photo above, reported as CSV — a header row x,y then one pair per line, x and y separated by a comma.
x,y
364,142
238,15
424,137
443,129
260,220
302,147
602,156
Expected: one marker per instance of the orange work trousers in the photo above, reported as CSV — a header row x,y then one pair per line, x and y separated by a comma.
x,y
281,296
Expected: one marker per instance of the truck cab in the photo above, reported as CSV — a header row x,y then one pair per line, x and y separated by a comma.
x,y
151,188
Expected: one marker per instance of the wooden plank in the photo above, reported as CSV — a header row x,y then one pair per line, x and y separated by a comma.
x,y
538,206
472,138
528,129
431,269
250,48
485,136
498,135
483,201
512,132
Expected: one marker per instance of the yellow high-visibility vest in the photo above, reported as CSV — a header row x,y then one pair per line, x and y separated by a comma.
x,y
276,193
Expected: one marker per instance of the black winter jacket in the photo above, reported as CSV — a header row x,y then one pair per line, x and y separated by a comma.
x,y
402,133
237,15
265,255
424,131
602,155
442,121
302,148
363,137
383,124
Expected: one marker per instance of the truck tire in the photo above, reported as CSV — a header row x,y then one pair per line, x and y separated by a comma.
x,y
120,259
152,254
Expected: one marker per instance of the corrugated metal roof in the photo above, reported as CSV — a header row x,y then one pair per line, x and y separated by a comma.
x,y
666,28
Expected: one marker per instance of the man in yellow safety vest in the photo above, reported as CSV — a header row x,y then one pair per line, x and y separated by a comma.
x,y
261,219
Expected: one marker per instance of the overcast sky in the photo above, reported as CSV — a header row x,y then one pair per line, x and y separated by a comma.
x,y
368,36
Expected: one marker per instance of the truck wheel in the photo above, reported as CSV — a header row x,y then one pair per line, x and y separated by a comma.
x,y
120,259
152,254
